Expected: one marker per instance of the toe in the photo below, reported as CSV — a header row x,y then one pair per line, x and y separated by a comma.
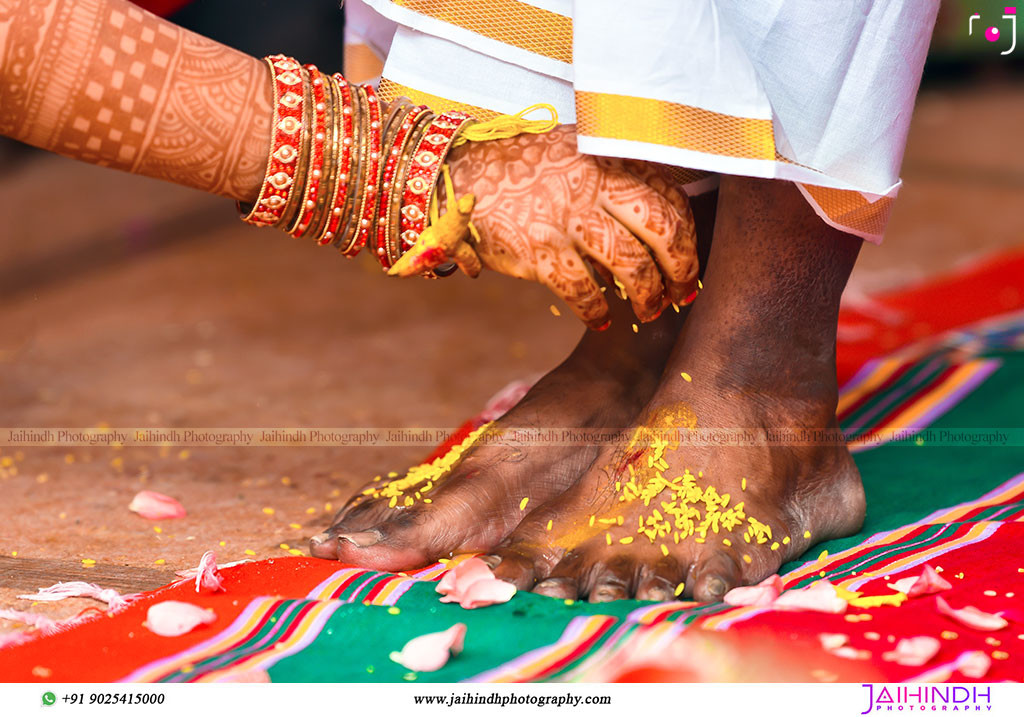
x,y
613,580
659,581
324,546
563,582
715,575
402,543
517,564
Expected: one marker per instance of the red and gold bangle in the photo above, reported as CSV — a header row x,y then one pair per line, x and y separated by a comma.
x,y
345,237
388,174
372,173
343,157
314,172
286,139
398,185
426,164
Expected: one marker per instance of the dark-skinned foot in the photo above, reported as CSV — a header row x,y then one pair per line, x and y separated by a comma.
x,y
477,501
471,499
676,512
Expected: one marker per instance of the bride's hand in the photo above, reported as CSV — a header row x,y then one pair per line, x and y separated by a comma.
x,y
544,211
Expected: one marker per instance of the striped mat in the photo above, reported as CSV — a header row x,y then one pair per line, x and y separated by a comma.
x,y
937,433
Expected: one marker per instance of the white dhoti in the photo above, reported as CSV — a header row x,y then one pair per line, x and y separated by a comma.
x,y
816,92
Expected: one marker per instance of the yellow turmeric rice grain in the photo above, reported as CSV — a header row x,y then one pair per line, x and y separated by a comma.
x,y
310,511
523,502
250,552
807,533
88,562
664,550
679,589
743,484
554,310
592,518
268,511
822,555
775,545
1000,655
636,329
747,559
393,610
550,523
627,540
295,526
608,538
159,561
785,541
727,542
296,551
157,529
686,377
675,307
285,546
948,635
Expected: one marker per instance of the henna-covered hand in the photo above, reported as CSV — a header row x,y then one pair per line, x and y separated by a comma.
x,y
547,213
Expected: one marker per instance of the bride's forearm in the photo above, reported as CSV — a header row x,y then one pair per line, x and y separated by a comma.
x,y
109,83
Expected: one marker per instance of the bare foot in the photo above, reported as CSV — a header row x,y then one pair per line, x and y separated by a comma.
x,y
670,513
471,500
477,500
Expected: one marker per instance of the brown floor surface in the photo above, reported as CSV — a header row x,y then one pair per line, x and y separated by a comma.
x,y
128,302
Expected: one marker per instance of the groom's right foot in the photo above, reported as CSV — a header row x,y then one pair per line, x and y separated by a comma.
x,y
476,502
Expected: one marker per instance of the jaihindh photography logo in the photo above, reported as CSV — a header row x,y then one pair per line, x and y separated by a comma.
x,y
927,698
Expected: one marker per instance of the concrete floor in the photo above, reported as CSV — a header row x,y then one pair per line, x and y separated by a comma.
x,y
129,302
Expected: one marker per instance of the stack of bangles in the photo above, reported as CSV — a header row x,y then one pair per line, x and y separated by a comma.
x,y
343,173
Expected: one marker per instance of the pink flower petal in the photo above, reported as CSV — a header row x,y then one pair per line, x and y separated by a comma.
x,y
764,593
903,585
913,651
429,653
487,592
171,618
156,506
247,676
929,582
971,616
473,585
818,597
851,653
974,663
832,640
463,575
207,576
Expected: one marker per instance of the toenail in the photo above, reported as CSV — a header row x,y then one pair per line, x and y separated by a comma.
x,y
715,586
319,539
361,540
491,561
